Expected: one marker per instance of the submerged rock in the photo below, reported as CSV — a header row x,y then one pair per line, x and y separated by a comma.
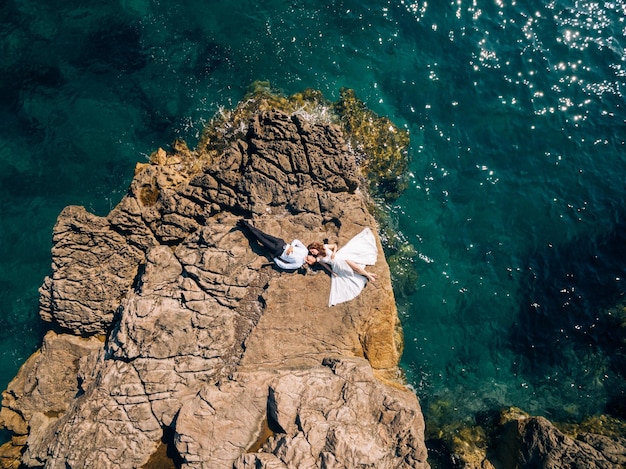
x,y
536,442
171,326
512,438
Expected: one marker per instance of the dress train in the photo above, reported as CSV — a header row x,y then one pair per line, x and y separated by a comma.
x,y
347,284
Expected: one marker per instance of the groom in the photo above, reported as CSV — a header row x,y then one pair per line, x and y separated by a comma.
x,y
286,256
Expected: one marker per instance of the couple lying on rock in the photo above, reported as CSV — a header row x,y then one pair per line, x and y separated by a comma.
x,y
347,265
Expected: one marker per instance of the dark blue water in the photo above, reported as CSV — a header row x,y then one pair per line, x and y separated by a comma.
x,y
514,218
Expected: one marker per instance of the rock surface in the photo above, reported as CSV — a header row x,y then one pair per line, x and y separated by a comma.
x,y
168,320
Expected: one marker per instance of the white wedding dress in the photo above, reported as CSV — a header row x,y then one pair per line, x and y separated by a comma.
x,y
347,284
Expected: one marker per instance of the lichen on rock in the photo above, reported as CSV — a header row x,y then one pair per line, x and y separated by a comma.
x,y
381,143
380,147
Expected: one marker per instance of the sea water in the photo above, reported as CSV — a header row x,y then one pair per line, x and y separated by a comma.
x,y
514,214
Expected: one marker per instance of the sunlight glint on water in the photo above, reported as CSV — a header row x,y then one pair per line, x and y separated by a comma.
x,y
516,202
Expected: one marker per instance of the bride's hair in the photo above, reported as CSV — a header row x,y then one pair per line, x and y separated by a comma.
x,y
318,246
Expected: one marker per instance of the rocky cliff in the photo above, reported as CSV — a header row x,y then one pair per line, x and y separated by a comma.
x,y
172,332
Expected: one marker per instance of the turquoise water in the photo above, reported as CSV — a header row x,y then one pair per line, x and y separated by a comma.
x,y
515,206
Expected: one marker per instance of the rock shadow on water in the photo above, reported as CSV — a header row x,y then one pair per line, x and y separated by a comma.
x,y
573,308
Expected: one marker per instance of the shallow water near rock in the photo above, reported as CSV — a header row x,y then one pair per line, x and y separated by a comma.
x,y
515,207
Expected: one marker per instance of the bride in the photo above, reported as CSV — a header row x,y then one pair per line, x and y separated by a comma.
x,y
348,265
